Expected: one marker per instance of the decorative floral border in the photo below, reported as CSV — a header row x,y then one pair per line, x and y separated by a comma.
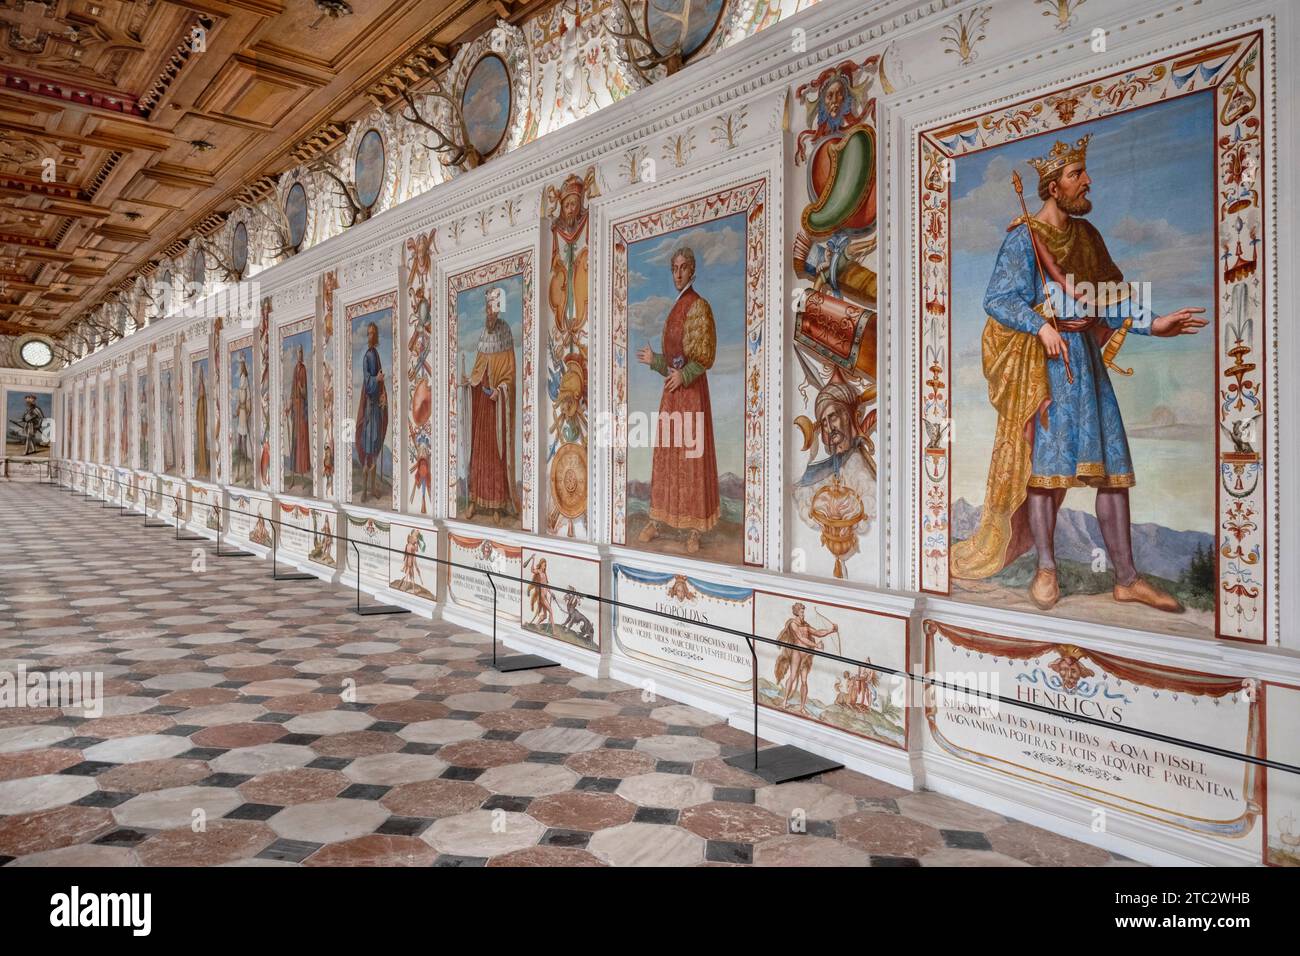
x,y
387,300
260,481
518,263
418,257
329,282
750,198
1233,67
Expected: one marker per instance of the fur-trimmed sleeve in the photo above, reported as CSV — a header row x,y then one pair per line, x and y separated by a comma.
x,y
699,340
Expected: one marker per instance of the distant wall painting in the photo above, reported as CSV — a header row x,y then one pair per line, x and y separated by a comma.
x,y
297,408
683,27
419,370
410,572
216,407
29,423
689,306
143,408
369,168
560,610
1282,800
123,421
96,443
566,356
692,645
325,327
832,388
485,104
1126,488
201,458
167,416
491,325
106,424
372,378
855,699
243,448
1196,791
265,422
470,588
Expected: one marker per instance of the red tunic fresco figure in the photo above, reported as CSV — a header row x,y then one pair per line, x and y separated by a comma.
x,y
491,386
684,491
299,458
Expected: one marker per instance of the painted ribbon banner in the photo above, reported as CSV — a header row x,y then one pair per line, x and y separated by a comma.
x,y
295,529
697,649
471,589
1176,785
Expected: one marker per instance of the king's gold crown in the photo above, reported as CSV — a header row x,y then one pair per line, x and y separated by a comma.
x,y
1060,156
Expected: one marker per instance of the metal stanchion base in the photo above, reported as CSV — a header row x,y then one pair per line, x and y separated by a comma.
x,y
524,662
382,609
783,764
157,524
292,576
236,554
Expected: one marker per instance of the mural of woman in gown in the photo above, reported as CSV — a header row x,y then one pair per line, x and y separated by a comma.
x,y
368,483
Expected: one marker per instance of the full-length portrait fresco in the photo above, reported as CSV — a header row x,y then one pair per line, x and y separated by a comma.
x,y
491,455
198,423
296,408
29,423
688,299
167,416
1087,317
372,378
832,387
144,441
242,386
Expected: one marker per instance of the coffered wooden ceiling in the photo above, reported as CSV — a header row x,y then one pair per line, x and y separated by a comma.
x,y
151,133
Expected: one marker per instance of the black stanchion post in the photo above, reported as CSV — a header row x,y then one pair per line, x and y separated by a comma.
x,y
515,662
372,609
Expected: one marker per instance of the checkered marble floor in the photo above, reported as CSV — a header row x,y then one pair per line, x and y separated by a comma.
x,y
253,722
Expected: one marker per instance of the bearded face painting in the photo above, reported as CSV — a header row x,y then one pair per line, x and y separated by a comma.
x,y
1085,348
142,416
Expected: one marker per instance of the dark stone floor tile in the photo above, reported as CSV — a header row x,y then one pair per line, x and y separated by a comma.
x,y
719,851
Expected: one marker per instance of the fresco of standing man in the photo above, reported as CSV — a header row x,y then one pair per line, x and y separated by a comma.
x,y
684,490
491,385
1054,300
372,419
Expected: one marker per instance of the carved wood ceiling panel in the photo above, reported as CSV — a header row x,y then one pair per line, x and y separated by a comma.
x,y
125,125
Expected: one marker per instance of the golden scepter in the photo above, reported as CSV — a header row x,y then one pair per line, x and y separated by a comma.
x,y
1045,310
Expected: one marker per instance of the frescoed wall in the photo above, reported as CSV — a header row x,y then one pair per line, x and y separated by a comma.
x,y
29,422
688,313
1122,488
297,407
837,421
371,400
242,429
491,456
198,412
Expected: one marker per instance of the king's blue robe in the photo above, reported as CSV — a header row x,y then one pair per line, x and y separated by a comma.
x,y
1082,442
